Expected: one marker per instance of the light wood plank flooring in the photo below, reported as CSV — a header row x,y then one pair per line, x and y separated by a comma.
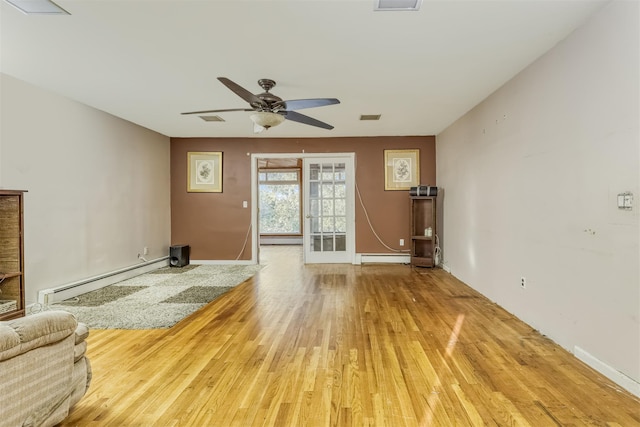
x,y
343,345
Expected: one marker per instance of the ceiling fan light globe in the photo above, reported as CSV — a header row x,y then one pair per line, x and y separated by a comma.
x,y
266,119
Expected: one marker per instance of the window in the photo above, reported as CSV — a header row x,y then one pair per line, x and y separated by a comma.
x,y
279,201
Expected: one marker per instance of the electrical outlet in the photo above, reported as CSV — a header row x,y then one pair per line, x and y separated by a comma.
x,y
523,282
401,242
145,251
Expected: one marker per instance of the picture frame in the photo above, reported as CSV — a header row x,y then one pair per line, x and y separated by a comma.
x,y
204,172
401,169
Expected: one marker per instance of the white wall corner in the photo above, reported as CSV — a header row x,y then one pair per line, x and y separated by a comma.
x,y
614,375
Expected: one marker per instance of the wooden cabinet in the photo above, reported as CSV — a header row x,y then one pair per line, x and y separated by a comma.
x,y
11,254
423,230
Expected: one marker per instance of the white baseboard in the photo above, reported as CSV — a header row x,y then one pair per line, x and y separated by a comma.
x,y
70,290
382,258
221,262
614,375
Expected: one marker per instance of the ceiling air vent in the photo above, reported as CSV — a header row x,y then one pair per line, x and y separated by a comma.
x,y
384,5
212,118
370,117
37,7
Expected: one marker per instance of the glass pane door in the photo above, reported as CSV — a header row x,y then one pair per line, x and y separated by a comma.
x,y
328,212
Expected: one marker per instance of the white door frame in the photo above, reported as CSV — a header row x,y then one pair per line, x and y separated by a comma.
x,y
351,208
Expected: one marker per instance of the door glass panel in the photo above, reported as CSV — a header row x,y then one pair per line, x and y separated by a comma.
x,y
327,244
316,243
327,172
327,191
328,210
314,207
313,189
314,172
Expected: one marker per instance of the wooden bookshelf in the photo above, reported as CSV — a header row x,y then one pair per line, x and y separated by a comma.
x,y
423,230
11,254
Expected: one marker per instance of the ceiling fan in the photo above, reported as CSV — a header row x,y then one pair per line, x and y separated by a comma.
x,y
270,110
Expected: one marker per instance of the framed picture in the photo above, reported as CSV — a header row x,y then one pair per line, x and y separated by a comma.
x,y
401,169
204,172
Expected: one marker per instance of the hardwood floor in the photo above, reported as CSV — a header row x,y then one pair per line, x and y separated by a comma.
x,y
344,345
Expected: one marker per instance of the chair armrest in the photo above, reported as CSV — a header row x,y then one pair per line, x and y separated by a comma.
x,y
26,333
80,349
82,332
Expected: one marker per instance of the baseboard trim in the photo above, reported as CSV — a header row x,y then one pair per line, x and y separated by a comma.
x,y
73,289
614,375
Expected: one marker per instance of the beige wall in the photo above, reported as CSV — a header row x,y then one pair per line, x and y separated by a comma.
x,y
531,177
215,224
98,186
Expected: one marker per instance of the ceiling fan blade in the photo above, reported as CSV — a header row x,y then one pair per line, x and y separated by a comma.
x,y
218,111
299,104
241,92
301,118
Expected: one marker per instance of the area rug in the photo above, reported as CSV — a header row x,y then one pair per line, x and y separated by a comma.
x,y
158,299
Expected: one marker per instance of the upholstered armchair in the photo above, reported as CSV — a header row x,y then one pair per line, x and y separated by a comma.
x,y
43,368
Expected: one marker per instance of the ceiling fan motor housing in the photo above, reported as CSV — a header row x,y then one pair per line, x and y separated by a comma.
x,y
268,98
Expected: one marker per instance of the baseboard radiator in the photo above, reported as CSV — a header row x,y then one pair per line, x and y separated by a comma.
x,y
70,290
279,240
383,258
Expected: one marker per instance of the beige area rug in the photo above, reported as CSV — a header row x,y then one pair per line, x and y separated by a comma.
x,y
158,299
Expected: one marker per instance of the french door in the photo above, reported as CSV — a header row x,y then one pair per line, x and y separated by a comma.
x,y
329,218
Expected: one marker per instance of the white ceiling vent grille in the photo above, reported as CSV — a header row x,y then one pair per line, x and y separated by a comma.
x,y
38,7
370,117
385,5
212,118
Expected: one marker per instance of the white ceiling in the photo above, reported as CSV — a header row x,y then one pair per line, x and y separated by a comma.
x,y
147,61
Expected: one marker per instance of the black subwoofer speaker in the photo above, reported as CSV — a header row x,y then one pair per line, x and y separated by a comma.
x,y
179,255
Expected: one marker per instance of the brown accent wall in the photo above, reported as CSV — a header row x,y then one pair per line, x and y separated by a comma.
x,y
215,224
